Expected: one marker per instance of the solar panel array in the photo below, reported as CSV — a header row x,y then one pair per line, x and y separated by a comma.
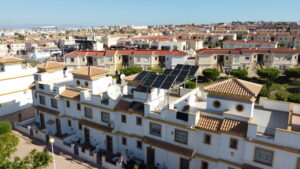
x,y
170,76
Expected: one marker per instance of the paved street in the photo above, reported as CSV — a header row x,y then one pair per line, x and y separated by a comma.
x,y
63,160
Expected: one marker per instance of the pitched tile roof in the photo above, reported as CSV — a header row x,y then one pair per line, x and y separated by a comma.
x,y
46,110
241,41
71,94
50,65
95,125
89,71
234,87
86,53
168,146
10,60
229,126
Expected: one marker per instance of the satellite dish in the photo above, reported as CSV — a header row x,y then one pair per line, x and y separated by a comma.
x,y
114,91
122,76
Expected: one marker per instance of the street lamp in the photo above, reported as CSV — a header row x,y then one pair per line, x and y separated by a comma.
x,y
51,141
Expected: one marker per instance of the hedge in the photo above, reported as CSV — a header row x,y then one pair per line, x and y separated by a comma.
x,y
269,73
211,74
5,127
294,98
292,73
239,73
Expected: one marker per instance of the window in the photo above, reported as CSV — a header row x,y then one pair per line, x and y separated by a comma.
x,y
123,118
138,59
217,104
184,163
247,58
204,165
298,164
138,121
41,86
72,59
86,84
155,58
146,59
83,59
42,99
67,103
78,82
226,58
181,136
263,156
69,123
239,107
233,143
175,47
124,141
79,126
88,112
78,106
155,129
53,103
207,139
105,117
35,95
139,144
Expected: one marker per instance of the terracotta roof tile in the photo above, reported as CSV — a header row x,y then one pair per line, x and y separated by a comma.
x,y
229,126
168,146
46,110
209,123
10,60
89,71
95,125
234,127
86,53
234,87
50,65
71,94
240,41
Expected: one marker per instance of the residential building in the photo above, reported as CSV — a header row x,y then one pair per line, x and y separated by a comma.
x,y
248,44
15,80
221,127
251,58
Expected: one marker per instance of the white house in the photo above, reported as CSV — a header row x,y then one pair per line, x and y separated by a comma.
x,y
220,127
231,44
15,80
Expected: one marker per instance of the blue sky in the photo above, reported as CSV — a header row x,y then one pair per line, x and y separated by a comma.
x,y
143,12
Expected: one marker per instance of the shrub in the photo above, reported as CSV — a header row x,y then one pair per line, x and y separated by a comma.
x,y
292,73
281,95
239,73
264,92
269,73
190,85
131,70
294,98
5,127
211,74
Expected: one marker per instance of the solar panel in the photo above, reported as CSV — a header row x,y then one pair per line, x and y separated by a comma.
x,y
146,77
141,75
167,71
175,72
168,82
150,80
158,81
178,66
193,70
181,77
186,67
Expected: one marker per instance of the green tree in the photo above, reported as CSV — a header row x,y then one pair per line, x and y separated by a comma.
x,y
211,74
292,73
239,73
281,95
190,85
9,142
264,92
131,70
269,73
5,127
294,98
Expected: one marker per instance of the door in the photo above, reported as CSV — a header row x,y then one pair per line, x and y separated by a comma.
x,y
58,127
42,120
150,156
76,149
109,144
125,60
87,136
89,61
